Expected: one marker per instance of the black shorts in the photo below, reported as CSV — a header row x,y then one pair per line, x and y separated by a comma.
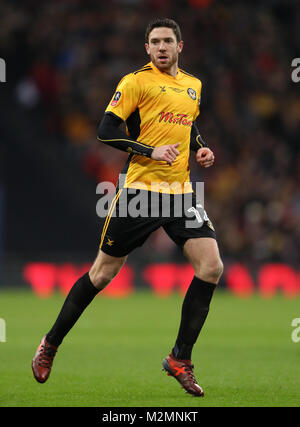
x,y
134,214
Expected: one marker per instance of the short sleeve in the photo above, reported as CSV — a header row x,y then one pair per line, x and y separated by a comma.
x,y
126,98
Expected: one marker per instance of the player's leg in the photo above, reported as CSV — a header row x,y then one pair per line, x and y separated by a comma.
x,y
104,269
204,256
120,235
198,241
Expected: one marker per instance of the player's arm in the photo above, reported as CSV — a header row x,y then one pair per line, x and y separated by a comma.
x,y
205,156
110,133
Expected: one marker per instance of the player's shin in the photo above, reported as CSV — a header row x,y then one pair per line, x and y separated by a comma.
x,y
195,309
80,296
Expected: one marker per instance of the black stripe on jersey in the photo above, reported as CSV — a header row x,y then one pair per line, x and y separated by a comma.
x,y
122,176
133,124
143,69
188,74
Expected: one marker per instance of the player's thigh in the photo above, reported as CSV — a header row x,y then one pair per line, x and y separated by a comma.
x,y
105,268
127,227
203,254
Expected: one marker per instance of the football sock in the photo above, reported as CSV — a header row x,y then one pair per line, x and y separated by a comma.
x,y
79,297
194,311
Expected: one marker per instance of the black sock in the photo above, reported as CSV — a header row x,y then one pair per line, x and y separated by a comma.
x,y
195,308
79,297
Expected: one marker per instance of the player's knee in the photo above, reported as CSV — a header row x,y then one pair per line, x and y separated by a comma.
x,y
103,276
212,271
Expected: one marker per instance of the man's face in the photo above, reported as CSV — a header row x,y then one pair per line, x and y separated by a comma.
x,y
163,48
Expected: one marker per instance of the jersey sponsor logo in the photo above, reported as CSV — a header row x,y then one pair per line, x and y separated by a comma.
x,y
192,93
116,99
177,119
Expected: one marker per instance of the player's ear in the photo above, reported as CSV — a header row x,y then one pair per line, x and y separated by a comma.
x,y
180,46
147,48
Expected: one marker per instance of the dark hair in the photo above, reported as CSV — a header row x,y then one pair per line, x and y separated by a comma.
x,y
163,22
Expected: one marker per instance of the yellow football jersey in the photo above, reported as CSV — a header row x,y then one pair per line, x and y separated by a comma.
x,y
158,109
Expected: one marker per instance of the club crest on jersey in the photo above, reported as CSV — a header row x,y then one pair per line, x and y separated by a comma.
x,y
192,93
116,98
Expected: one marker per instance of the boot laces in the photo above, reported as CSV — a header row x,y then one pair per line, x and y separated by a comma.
x,y
190,373
46,356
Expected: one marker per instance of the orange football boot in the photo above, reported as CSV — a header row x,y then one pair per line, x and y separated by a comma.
x,y
43,360
182,371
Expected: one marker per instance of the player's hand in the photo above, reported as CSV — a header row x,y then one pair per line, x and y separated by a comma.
x,y
205,157
167,153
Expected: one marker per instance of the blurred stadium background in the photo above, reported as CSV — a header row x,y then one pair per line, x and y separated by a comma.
x,y
63,61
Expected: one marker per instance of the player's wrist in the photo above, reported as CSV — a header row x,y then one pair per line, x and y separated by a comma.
x,y
201,142
151,149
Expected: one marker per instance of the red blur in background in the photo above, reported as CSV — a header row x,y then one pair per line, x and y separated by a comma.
x,y
164,279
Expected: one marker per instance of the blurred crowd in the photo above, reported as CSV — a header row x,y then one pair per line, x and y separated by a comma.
x,y
70,55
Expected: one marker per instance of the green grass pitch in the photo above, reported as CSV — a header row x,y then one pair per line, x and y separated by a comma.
x,y
245,355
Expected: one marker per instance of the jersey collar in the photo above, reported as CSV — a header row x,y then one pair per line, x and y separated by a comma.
x,y
157,71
